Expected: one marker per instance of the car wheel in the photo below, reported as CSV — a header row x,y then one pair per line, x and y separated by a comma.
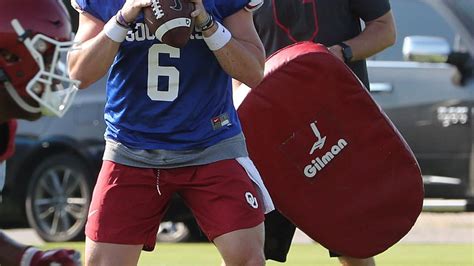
x,y
58,198
173,232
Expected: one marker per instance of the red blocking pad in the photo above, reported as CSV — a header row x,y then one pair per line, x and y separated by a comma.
x,y
331,159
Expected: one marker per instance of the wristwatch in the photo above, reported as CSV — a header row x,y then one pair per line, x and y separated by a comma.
x,y
346,52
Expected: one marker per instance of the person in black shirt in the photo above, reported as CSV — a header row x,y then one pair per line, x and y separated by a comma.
x,y
337,25
334,23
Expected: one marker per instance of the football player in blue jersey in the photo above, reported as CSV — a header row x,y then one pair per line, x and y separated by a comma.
x,y
32,36
172,128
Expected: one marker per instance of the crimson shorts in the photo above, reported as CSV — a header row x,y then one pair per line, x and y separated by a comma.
x,y
128,203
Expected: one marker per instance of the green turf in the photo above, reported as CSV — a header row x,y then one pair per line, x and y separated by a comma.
x,y
204,254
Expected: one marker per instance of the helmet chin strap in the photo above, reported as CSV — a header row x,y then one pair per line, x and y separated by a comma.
x,y
14,94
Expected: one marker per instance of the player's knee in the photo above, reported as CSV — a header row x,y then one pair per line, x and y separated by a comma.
x,y
94,257
243,256
349,261
92,260
255,259
242,247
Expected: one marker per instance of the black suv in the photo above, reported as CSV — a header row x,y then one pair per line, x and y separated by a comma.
x,y
425,87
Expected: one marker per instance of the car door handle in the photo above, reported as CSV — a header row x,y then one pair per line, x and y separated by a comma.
x,y
381,87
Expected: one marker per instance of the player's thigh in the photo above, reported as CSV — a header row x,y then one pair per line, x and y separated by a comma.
x,y
126,206
223,198
97,253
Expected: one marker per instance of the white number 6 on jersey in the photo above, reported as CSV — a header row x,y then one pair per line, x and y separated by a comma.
x,y
155,70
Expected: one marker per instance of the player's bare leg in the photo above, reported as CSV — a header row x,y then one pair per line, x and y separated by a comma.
x,y
348,261
111,254
242,247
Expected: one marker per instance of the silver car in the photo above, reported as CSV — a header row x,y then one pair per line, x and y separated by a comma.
x,y
425,85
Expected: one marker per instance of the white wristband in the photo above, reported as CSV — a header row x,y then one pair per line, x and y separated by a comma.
x,y
115,31
28,255
219,38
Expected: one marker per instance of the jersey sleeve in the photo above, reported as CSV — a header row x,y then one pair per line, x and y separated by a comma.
x,y
97,8
369,10
7,139
253,5
77,6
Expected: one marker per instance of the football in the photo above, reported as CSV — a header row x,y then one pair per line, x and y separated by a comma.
x,y
170,21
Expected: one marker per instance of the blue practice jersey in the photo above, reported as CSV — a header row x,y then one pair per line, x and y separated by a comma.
x,y
161,97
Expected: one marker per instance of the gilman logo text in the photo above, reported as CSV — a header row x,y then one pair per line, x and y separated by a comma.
x,y
319,163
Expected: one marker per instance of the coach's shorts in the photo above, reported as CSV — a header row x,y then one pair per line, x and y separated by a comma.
x,y
128,203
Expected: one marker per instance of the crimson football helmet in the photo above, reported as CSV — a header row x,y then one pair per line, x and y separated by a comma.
x,y
34,39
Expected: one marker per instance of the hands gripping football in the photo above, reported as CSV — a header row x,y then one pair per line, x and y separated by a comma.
x,y
171,21
132,8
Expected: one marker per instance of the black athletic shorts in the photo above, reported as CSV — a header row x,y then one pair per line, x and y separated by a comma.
x,y
279,233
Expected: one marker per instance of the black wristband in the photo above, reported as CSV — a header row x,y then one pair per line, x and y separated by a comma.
x,y
346,52
206,25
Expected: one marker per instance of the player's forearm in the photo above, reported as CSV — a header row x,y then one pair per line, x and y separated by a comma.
x,y
242,61
92,60
10,250
377,36
237,47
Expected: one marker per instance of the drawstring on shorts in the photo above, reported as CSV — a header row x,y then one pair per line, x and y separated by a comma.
x,y
158,181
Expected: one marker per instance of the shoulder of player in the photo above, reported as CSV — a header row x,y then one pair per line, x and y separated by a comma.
x,y
100,9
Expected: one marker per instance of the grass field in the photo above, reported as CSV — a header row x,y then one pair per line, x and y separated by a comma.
x,y
204,254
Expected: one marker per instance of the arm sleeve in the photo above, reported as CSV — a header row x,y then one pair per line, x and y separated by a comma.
x,y
369,10
7,139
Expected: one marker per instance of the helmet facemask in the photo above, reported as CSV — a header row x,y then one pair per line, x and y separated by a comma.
x,y
51,87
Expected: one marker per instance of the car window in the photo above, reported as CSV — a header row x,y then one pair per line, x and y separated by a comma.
x,y
464,9
415,17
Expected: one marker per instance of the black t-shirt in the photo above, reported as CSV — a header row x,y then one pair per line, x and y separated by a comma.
x,y
280,23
